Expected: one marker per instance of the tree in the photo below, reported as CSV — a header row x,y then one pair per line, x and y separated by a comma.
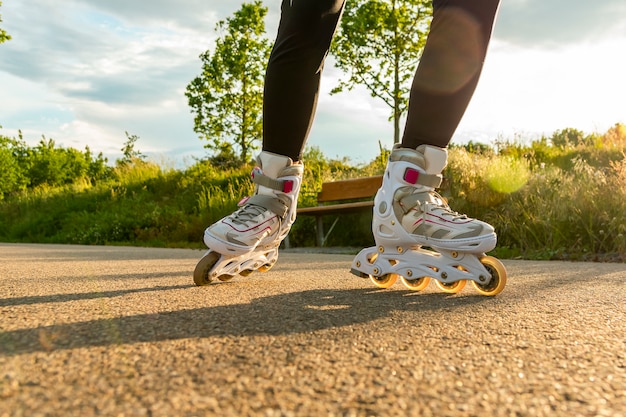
x,y
615,136
26,167
131,155
12,176
568,137
3,35
227,97
379,45
53,165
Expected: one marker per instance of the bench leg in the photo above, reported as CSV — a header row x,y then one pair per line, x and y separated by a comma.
x,y
331,229
320,231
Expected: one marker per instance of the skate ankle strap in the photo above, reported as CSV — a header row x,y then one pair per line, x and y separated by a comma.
x,y
285,186
273,204
414,177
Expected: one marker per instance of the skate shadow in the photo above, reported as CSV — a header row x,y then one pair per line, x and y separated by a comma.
x,y
294,313
116,276
62,298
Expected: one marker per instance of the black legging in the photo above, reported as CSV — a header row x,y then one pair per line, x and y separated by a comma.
x,y
442,88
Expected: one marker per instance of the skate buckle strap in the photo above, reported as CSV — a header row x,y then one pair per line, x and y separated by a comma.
x,y
273,204
285,186
414,177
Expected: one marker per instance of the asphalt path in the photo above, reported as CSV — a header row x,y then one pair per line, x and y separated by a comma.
x,y
118,331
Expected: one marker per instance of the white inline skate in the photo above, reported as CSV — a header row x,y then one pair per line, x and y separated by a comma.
x,y
248,239
418,237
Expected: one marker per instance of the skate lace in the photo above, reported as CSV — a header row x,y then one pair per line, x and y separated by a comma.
x,y
247,213
444,209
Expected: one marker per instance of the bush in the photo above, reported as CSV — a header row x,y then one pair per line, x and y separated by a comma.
x,y
545,201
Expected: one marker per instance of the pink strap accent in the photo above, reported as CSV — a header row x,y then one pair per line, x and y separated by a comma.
x,y
243,201
411,175
287,186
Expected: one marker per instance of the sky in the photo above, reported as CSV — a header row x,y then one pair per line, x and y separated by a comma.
x,y
86,73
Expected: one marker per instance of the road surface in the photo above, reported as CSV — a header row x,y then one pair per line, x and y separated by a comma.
x,y
118,331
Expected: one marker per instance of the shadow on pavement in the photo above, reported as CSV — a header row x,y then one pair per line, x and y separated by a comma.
x,y
62,298
300,312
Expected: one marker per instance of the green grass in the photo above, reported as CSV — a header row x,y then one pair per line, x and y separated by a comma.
x,y
546,202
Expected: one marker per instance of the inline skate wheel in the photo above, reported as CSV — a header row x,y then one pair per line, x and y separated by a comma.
x,y
384,281
416,284
453,287
201,273
498,277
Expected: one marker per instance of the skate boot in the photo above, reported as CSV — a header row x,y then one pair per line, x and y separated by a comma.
x,y
418,237
248,239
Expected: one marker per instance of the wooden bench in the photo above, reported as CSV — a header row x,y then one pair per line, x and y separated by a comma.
x,y
338,197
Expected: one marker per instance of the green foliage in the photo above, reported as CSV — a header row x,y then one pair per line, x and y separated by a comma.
x,y
542,206
12,175
225,157
571,138
575,214
474,147
564,146
227,97
319,169
548,201
130,154
4,36
615,137
139,203
379,45
45,164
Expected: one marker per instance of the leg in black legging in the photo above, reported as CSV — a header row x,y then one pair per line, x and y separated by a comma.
x,y
294,71
449,70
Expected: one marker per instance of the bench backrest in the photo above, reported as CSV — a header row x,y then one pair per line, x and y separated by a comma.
x,y
349,189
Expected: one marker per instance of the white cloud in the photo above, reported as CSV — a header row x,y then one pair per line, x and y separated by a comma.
x,y
537,91
556,22
108,77
88,71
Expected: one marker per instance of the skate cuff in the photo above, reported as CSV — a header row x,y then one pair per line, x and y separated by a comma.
x,y
414,177
285,186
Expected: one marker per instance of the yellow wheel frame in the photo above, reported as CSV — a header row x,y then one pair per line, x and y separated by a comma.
x,y
247,272
453,287
416,284
498,277
384,281
225,277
